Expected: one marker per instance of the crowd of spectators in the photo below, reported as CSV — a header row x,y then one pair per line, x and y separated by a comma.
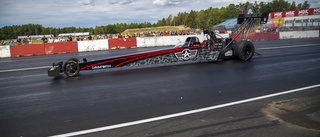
x,y
18,41
112,36
52,39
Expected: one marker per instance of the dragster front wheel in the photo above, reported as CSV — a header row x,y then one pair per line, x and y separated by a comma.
x,y
71,68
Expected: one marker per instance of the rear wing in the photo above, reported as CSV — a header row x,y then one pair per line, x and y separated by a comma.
x,y
262,16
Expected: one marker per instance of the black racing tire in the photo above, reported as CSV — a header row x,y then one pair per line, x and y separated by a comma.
x,y
71,68
244,50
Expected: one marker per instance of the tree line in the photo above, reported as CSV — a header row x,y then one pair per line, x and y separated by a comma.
x,y
203,19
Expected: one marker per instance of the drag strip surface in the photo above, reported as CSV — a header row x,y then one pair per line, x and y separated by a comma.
x,y
31,104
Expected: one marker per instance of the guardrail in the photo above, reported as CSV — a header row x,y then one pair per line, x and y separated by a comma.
x,y
120,43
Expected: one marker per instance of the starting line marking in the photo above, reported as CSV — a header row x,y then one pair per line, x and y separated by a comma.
x,y
281,47
183,113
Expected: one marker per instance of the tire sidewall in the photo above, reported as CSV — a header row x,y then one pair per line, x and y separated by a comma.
x,y
244,50
65,68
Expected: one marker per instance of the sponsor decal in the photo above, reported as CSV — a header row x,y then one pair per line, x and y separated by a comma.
x,y
228,53
101,67
303,12
316,11
186,54
289,13
278,15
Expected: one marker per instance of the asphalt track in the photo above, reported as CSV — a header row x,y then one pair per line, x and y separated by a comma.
x,y
32,104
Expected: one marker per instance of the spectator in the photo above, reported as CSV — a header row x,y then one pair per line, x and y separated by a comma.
x,y
56,39
70,38
3,42
44,39
50,40
30,41
10,42
61,39
25,41
119,36
90,38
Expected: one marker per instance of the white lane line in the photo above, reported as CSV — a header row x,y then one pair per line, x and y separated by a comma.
x,y
281,47
183,113
23,69
293,46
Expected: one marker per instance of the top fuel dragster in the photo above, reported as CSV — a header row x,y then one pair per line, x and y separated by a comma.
x,y
215,48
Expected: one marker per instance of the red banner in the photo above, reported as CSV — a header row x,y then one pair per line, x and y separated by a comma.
x,y
295,13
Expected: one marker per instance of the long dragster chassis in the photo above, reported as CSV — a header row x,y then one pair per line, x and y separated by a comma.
x,y
213,49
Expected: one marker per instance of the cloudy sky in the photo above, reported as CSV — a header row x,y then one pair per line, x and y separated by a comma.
x,y
91,13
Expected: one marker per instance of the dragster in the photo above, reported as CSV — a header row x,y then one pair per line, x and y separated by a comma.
x,y
214,48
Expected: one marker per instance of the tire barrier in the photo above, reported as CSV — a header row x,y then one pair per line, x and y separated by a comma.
x,y
120,43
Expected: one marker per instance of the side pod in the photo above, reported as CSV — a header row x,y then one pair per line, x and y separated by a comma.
x,y
55,70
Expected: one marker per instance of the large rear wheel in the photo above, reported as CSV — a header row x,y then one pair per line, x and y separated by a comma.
x,y
71,68
244,50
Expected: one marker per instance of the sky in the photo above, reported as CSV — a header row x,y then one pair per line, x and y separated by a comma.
x,y
91,13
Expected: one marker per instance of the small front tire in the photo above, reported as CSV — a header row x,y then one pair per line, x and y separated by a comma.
x,y
71,68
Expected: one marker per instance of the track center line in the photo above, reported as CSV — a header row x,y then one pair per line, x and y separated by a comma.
x,y
281,47
23,69
184,113
293,46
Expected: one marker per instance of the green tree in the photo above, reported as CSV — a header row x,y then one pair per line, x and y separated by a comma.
x,y
169,20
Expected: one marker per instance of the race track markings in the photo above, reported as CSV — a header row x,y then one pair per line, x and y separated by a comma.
x,y
23,69
184,113
284,47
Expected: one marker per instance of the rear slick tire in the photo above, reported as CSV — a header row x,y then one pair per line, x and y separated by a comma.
x,y
244,50
71,68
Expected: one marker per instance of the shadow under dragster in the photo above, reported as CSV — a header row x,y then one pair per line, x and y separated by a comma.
x,y
213,49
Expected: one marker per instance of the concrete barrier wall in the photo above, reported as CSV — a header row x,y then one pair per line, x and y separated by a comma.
x,y
5,51
96,45
122,43
164,40
259,36
149,41
299,34
27,50
286,35
93,45
61,47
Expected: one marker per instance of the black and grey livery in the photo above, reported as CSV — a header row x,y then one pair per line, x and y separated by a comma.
x,y
215,48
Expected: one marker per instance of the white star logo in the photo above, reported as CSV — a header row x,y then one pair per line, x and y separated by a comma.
x,y
186,54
